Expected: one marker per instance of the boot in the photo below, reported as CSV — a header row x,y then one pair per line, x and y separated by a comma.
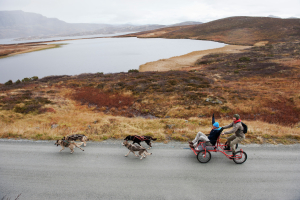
x,y
227,148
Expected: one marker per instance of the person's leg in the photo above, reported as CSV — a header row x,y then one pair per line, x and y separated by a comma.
x,y
231,138
199,136
234,142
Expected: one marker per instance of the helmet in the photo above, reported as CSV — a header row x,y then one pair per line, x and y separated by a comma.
x,y
216,124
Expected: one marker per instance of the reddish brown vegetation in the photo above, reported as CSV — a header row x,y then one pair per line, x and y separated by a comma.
x,y
283,112
96,97
43,110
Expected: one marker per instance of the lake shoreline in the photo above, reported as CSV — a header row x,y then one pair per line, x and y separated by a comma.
x,y
103,55
182,62
186,62
7,50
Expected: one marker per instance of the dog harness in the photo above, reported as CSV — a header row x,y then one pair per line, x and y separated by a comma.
x,y
66,143
142,138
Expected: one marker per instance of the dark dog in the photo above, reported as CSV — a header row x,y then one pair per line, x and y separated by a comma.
x,y
138,139
75,137
132,148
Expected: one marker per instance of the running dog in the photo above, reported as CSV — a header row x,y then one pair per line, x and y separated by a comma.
x,y
138,139
70,144
132,148
75,137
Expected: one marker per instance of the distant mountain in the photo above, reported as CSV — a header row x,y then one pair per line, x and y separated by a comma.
x,y
186,23
23,24
16,24
273,16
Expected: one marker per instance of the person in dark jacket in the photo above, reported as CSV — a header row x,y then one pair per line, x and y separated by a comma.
x,y
211,139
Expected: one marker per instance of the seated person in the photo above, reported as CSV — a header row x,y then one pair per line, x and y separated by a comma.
x,y
211,139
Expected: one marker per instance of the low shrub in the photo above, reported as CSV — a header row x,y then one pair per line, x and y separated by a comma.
x,y
34,78
28,108
8,82
133,71
172,82
24,80
244,59
203,62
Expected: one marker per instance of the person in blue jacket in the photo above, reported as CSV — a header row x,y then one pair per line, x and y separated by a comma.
x,y
211,139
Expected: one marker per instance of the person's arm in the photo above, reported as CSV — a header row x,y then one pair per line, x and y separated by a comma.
x,y
228,126
235,128
213,119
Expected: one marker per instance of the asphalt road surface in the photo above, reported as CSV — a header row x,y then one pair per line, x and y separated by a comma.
x,y
36,170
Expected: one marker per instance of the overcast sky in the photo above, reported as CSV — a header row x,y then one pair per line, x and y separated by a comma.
x,y
152,11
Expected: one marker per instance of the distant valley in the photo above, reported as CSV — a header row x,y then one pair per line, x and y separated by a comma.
x,y
25,25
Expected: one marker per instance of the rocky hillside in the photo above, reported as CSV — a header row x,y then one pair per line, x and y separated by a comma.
x,y
234,30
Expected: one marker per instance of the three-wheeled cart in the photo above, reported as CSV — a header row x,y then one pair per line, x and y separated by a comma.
x,y
203,152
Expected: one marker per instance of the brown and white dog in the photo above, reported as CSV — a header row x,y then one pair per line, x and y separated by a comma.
x,y
132,148
75,137
70,144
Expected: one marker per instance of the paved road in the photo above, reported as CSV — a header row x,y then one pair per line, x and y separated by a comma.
x,y
36,170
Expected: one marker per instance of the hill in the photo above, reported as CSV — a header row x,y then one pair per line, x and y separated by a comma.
x,y
23,24
234,30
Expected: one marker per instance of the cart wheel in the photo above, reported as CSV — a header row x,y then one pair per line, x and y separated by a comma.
x,y
241,157
202,157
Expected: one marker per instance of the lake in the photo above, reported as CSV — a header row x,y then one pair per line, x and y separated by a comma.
x,y
107,55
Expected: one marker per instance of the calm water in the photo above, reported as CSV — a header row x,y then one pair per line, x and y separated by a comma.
x,y
107,55
17,40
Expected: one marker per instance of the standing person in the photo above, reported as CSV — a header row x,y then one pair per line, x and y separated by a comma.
x,y
238,130
211,139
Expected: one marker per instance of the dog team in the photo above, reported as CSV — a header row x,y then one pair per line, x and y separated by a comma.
x,y
69,141
238,128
